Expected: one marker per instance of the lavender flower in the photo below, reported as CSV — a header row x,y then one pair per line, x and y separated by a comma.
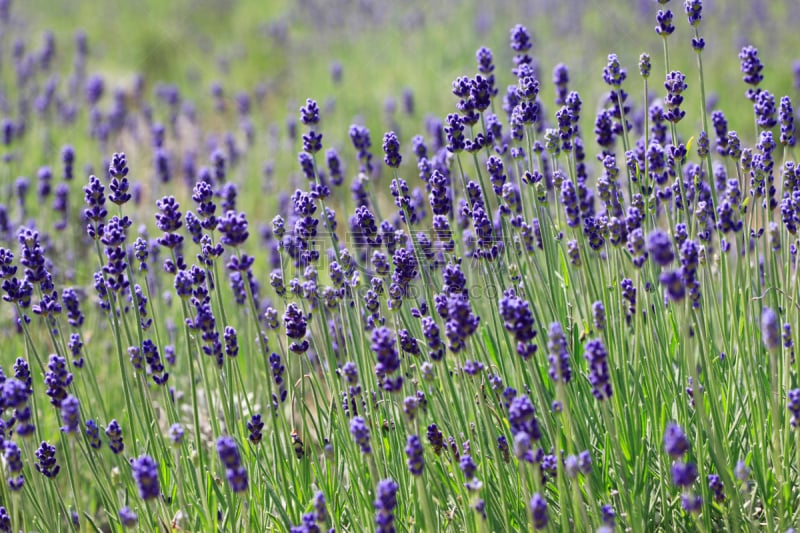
x,y
391,147
93,434
57,379
675,85
461,322
484,58
689,253
716,487
734,146
70,414
664,26
233,227
277,368
675,442
683,474
741,471
660,248
414,455
334,167
359,135
455,133
33,259
254,427
468,467
169,220
5,521
538,509
520,39
613,73
231,342
128,518
153,359
46,460
407,342
560,369
721,130
119,186
522,418
308,524
68,158
234,470
203,196
384,346
385,503
13,460
560,80
770,329
14,394
405,268
691,503
599,315
435,438
145,473
309,113
295,322
751,68
574,253
569,199
114,434
44,177
599,377
786,115
22,372
360,433
636,247
764,109
793,404
694,10
433,339
320,508
673,285
312,143
518,320
788,343
176,434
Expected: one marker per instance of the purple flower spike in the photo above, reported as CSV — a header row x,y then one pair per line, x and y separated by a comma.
x,y
145,473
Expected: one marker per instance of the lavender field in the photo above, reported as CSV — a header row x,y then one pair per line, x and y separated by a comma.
x,y
379,266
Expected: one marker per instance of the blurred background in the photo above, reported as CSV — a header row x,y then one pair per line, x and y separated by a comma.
x,y
287,48
385,64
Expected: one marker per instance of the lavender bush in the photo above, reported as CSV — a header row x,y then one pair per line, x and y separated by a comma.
x,y
540,308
